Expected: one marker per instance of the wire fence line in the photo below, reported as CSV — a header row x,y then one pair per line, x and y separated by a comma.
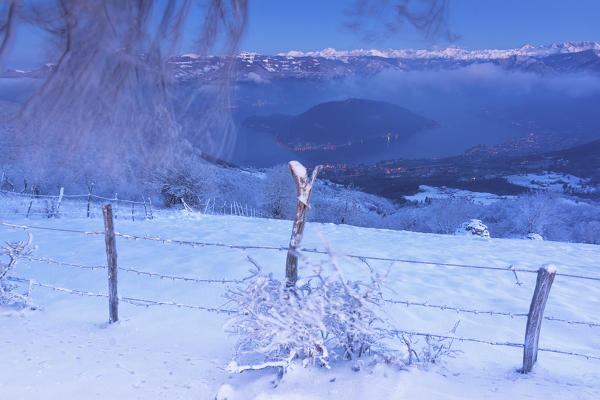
x,y
486,312
191,243
130,300
254,273
149,302
209,206
72,196
489,342
138,272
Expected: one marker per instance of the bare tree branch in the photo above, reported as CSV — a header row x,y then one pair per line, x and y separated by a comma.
x,y
107,106
7,25
375,19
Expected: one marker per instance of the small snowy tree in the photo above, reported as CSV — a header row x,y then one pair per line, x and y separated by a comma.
x,y
279,193
14,251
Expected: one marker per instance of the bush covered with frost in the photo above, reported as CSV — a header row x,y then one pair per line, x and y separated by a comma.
x,y
322,318
13,252
473,227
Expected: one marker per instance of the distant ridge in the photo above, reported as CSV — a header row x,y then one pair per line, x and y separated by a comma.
x,y
452,52
331,63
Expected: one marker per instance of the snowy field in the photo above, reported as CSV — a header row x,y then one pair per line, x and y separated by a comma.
x,y
431,192
552,181
67,350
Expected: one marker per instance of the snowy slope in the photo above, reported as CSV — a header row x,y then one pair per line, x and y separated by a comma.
x,y
67,350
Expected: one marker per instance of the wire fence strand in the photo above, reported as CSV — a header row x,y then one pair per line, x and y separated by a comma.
x,y
137,271
130,300
306,250
489,342
487,312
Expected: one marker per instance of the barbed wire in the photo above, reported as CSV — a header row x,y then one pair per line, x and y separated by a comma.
x,y
88,195
238,281
136,271
486,312
130,300
456,309
147,303
66,264
482,341
183,278
28,227
307,250
355,256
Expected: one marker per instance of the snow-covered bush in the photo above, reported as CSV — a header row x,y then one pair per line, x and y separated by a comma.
x,y
534,236
323,318
14,251
278,193
473,227
190,182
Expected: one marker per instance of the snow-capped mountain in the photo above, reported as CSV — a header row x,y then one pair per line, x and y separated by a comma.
x,y
330,63
456,53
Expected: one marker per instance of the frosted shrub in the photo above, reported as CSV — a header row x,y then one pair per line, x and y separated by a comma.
x,y
473,227
14,251
324,317
190,182
278,193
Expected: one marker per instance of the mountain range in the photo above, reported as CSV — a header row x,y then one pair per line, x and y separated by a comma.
x,y
331,63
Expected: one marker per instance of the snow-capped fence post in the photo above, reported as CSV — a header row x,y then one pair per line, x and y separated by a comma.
x,y
150,206
60,197
304,188
545,277
111,258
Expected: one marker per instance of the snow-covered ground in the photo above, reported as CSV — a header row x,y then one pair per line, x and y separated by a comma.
x,y
551,181
66,350
446,193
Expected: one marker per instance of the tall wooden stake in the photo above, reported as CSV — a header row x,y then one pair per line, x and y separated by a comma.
x,y
543,284
90,188
304,187
111,258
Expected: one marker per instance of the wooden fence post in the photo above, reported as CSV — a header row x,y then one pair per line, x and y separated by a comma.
x,y
543,284
304,187
90,188
60,197
111,258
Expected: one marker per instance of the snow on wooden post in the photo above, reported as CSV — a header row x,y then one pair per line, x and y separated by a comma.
x,y
304,188
111,258
543,284
60,197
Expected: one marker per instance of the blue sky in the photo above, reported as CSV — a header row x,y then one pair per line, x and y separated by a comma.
x,y
281,25
277,26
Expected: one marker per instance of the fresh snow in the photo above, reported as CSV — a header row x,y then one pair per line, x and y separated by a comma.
x,y
66,349
551,181
452,52
443,192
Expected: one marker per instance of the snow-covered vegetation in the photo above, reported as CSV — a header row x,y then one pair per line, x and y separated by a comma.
x,y
271,193
67,350
322,318
13,252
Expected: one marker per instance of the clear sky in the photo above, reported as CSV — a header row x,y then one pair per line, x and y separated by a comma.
x,y
281,25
